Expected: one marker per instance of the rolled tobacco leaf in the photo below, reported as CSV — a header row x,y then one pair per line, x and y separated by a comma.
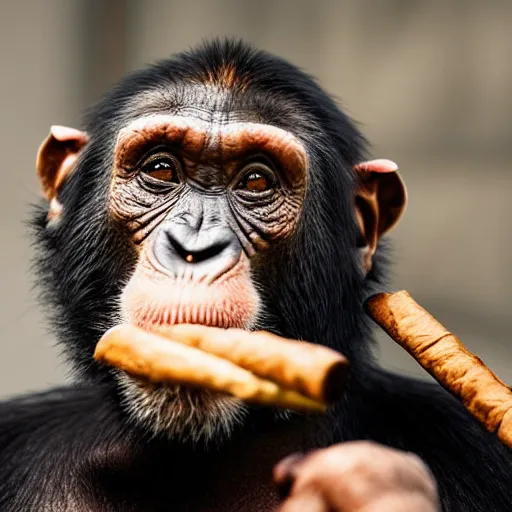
x,y
313,370
156,358
444,356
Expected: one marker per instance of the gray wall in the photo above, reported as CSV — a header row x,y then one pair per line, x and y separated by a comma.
x,y
39,86
429,81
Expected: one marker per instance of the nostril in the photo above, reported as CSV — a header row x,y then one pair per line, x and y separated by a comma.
x,y
197,255
185,252
206,253
177,247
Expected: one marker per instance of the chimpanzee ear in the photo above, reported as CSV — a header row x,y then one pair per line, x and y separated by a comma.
x,y
55,161
381,198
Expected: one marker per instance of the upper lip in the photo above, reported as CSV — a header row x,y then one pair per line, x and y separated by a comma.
x,y
227,265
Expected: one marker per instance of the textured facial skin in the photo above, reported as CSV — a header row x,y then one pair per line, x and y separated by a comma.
x,y
207,163
212,159
153,298
214,118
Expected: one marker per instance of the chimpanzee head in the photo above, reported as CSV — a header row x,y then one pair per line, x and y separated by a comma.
x,y
224,187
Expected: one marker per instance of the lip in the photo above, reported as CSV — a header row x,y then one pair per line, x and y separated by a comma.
x,y
210,318
153,297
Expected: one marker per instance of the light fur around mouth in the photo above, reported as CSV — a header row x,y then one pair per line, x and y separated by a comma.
x,y
181,413
152,299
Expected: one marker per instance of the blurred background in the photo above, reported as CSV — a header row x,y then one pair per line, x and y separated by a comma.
x,y
429,81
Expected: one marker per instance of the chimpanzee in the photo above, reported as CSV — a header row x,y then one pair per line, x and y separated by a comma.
x,y
222,186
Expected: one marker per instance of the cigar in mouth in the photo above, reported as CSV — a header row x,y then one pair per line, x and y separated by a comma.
x,y
256,367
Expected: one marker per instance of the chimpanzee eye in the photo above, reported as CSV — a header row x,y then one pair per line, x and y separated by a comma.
x,y
162,167
258,178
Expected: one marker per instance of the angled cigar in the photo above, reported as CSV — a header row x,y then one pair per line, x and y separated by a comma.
x,y
153,357
313,370
443,355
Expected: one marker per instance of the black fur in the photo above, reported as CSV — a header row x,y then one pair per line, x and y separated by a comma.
x,y
76,437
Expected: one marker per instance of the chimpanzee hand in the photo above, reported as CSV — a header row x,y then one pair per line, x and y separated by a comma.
x,y
356,477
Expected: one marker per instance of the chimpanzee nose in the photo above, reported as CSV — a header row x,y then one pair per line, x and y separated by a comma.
x,y
183,249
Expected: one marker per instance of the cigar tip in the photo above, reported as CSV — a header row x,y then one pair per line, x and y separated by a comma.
x,y
372,299
378,298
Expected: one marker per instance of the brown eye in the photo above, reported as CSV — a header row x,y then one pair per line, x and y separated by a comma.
x,y
162,168
256,180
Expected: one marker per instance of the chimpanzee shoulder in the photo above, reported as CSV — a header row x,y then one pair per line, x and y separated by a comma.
x,y
44,438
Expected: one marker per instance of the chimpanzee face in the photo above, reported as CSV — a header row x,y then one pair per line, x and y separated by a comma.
x,y
207,176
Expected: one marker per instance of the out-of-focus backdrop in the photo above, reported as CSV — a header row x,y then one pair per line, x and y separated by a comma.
x,y
430,82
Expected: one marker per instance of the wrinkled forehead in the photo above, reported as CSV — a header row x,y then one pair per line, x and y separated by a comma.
x,y
206,123
205,140
215,105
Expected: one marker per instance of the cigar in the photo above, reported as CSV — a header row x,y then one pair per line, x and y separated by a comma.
x,y
313,370
442,354
152,357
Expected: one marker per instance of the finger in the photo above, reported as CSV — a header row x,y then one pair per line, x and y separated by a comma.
x,y
287,467
402,502
285,471
307,501
359,473
419,475
387,465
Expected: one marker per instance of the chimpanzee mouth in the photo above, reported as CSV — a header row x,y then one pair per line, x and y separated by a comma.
x,y
145,307
152,299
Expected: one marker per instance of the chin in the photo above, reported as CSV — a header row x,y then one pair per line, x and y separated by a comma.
x,y
149,300
186,415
